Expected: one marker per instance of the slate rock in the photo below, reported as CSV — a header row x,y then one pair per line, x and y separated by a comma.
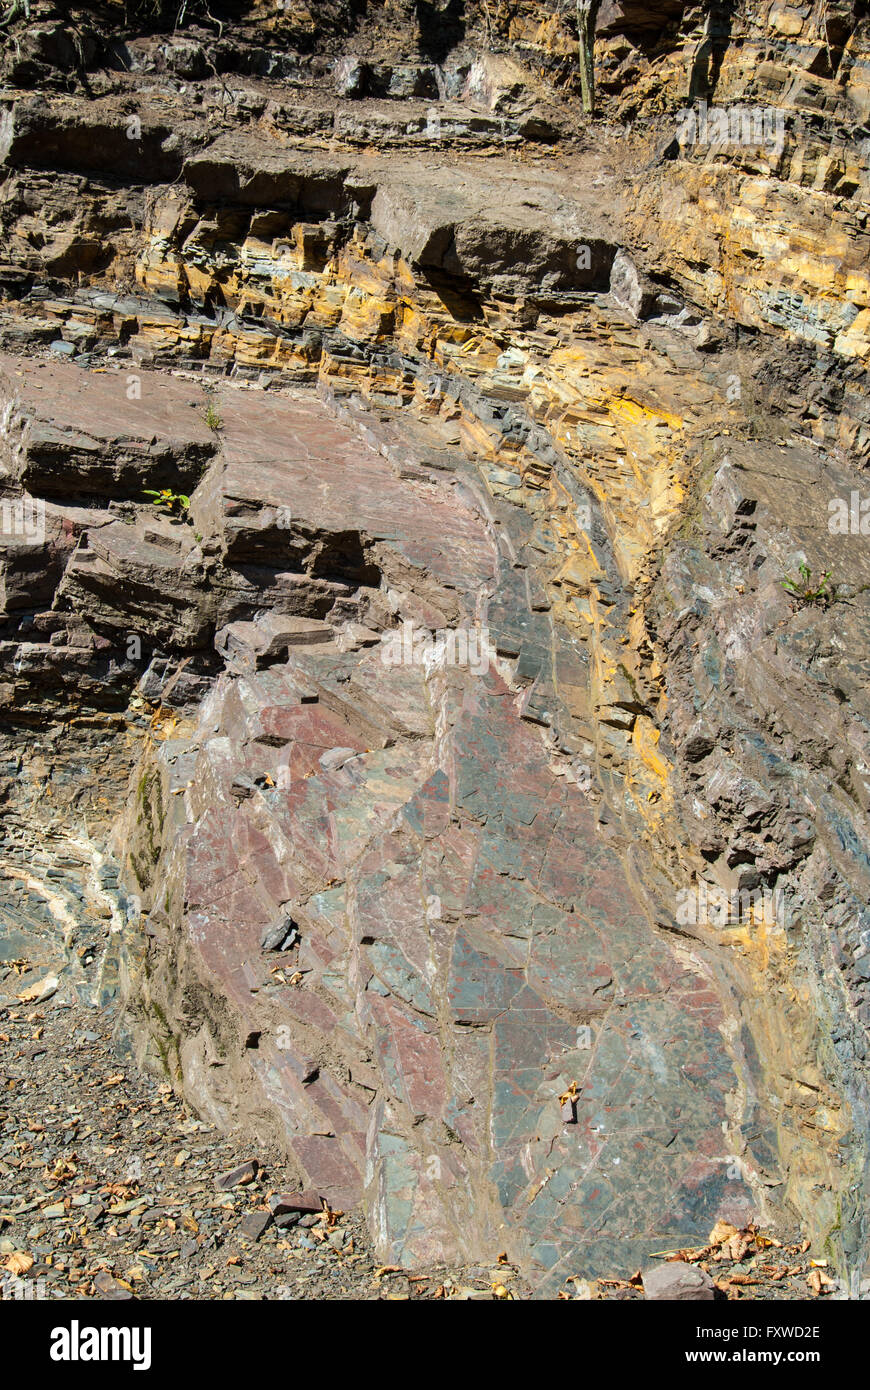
x,y
280,935
255,1224
283,1203
678,1281
109,1288
237,1177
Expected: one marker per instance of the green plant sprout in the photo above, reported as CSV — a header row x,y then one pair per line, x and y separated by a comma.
x,y
587,13
803,589
212,419
17,10
172,502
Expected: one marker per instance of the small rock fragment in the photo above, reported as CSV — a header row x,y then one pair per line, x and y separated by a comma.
x,y
279,935
336,757
677,1280
110,1288
283,1203
289,1219
255,1224
237,1177
44,989
349,76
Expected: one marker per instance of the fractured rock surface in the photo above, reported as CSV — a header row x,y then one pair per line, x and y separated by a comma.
x,y
468,945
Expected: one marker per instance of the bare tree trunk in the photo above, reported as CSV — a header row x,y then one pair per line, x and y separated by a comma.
x,y
587,11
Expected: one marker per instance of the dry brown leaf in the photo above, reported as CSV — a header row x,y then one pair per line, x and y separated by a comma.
x,y
64,1168
726,1286
18,1263
737,1247
122,1190
686,1256
721,1232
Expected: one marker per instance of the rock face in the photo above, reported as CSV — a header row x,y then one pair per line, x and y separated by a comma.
x,y
469,948
473,782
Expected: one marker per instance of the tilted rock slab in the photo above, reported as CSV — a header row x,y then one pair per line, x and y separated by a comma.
x,y
471,946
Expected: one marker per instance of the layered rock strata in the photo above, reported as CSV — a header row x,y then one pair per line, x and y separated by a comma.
x,y
586,409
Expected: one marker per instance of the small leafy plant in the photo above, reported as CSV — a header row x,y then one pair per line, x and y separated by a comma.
x,y
175,503
804,590
212,418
